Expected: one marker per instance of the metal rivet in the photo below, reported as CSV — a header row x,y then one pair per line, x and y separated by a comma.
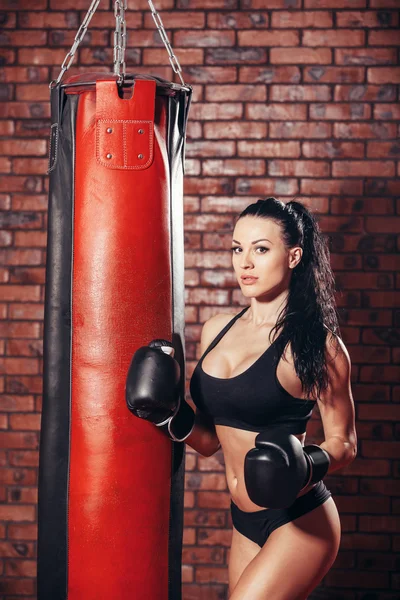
x,y
140,130
140,155
109,130
109,155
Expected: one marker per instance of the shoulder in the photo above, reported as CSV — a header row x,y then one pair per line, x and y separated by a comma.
x,y
337,356
212,327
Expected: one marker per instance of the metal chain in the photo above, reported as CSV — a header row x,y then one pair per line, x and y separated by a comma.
x,y
120,7
172,58
78,38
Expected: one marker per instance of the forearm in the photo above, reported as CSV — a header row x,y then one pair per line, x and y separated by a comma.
x,y
341,452
203,440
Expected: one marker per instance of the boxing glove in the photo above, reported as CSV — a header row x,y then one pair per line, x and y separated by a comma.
x,y
278,468
152,390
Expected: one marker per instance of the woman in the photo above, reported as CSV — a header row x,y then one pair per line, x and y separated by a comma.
x,y
276,554
252,393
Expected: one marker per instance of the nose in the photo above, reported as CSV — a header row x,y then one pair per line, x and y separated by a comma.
x,y
246,261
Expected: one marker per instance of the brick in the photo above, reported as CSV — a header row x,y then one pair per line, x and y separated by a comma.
x,y
365,56
337,112
24,110
213,185
333,38
384,75
7,127
7,56
365,93
20,587
17,513
364,130
187,56
382,225
352,504
383,149
387,112
269,149
335,4
363,168
202,555
197,148
298,168
237,20
24,458
23,38
210,74
23,147
211,111
212,536
256,4
383,38
333,149
211,575
388,3
233,56
28,293
301,19
276,112
26,74
263,187
344,205
269,74
49,20
367,18
306,56
41,56
293,93
235,93
20,568
268,38
206,39
298,130
233,167
334,74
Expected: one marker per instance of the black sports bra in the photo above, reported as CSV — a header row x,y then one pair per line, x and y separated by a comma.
x,y
253,400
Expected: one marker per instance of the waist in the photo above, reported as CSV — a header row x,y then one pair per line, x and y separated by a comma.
x,y
318,493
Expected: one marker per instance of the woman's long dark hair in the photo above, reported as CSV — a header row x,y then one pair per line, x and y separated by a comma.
x,y
310,310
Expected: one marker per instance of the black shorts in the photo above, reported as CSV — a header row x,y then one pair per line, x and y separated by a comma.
x,y
258,525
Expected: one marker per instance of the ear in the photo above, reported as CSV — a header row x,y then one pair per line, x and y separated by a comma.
x,y
295,255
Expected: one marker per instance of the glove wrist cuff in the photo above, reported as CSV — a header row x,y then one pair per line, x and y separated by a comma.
x,y
319,462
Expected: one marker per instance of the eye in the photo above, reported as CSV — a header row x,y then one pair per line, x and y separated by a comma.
x,y
257,248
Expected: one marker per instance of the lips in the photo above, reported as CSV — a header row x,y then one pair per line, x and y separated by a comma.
x,y
248,278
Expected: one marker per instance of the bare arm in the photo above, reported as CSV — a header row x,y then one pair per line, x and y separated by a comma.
x,y
203,438
337,410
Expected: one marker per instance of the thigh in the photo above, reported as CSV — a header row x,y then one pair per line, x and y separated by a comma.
x,y
241,554
294,559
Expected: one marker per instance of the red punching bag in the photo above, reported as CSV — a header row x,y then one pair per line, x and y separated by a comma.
x,y
110,484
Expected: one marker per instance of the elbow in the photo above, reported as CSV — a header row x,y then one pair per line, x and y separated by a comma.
x,y
212,448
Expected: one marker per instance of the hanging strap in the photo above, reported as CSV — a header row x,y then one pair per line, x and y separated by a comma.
x,y
125,128
120,7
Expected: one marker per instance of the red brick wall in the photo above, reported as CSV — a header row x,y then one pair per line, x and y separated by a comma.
x,y
291,97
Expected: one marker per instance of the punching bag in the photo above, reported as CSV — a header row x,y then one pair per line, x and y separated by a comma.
x,y
110,484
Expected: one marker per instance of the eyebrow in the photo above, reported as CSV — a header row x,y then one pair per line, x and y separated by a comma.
x,y
255,241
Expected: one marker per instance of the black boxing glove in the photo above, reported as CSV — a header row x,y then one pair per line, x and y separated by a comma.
x,y
152,390
278,468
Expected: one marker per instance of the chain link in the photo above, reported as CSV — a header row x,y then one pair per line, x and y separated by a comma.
x,y
172,58
78,38
120,7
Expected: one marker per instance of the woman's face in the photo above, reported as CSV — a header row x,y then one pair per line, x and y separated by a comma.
x,y
258,251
